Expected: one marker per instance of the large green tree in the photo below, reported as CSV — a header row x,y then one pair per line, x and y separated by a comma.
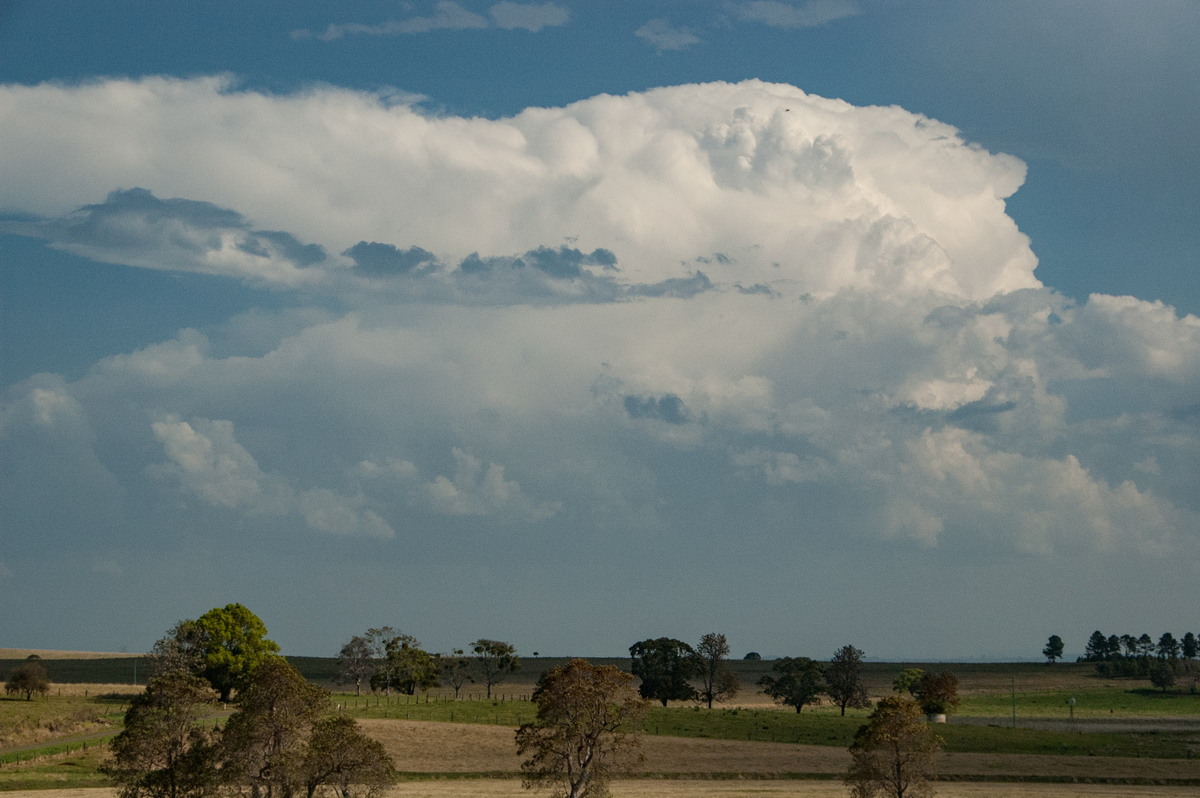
x,y
406,667
894,753
163,751
665,667
844,678
224,646
794,682
586,718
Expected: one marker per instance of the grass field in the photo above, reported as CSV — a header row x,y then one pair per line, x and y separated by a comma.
x,y
1121,731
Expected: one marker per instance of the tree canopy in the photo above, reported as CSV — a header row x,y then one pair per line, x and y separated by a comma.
x,y
28,678
163,752
1054,649
224,646
717,681
794,682
586,717
494,659
665,667
937,693
843,678
894,753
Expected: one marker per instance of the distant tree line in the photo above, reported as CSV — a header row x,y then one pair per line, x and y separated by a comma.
x,y
389,660
1163,662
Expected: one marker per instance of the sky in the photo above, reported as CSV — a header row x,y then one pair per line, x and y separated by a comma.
x,y
572,324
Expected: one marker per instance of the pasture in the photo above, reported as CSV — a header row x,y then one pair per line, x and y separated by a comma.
x,y
1122,737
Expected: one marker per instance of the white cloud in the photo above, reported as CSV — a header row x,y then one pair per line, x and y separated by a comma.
x,y
528,16
797,194
473,490
658,322
448,15
207,461
791,16
662,35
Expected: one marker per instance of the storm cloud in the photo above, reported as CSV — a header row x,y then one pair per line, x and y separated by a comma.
x,y
870,363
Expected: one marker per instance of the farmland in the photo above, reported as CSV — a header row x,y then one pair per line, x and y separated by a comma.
x,y
1014,725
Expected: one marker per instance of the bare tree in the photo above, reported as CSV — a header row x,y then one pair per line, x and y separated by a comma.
x,y
585,729
356,661
717,681
894,753
843,678
456,670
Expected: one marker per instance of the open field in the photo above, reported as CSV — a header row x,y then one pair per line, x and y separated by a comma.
x,y
1121,731
658,788
46,653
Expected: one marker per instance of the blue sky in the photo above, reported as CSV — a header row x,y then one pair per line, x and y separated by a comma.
x,y
579,323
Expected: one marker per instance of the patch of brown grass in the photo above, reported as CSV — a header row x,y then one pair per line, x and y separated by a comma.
x,y
49,653
656,788
423,747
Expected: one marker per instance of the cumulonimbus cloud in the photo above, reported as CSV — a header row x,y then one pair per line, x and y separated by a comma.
x,y
800,194
695,312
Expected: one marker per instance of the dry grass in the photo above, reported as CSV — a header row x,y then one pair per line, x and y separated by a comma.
x,y
650,788
48,653
421,747
93,690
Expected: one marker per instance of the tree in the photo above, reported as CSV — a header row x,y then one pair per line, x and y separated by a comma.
x,y
1162,674
494,660
843,679
224,646
1168,646
162,751
1054,649
937,693
894,753
340,755
908,680
586,715
263,744
664,666
456,670
1145,645
406,667
1189,647
717,681
356,661
30,677
794,682
1096,649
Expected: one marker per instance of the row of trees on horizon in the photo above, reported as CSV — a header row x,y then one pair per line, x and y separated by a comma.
x,y
284,739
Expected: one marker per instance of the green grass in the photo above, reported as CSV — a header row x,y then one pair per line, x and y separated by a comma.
x,y
812,727
1097,702
46,719
80,769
